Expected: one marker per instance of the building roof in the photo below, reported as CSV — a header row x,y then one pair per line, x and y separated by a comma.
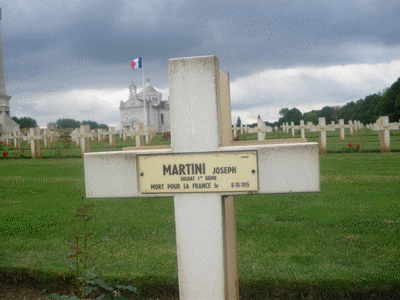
x,y
163,104
148,88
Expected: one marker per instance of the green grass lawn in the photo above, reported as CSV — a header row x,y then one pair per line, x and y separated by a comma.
x,y
346,237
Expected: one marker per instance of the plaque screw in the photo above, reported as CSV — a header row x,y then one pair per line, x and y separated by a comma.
x,y
141,174
253,171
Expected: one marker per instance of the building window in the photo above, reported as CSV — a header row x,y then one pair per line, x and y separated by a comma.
x,y
162,119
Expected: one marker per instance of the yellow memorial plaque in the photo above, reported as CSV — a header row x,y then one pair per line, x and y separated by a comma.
x,y
198,173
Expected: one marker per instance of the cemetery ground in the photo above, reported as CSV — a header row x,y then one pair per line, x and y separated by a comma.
x,y
340,243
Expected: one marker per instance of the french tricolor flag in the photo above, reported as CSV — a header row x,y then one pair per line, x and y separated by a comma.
x,y
136,63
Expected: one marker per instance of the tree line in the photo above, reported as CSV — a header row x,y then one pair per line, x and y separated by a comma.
x,y
27,122
367,110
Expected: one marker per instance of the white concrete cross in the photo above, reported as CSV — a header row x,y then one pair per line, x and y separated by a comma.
x,y
235,130
125,135
260,129
46,138
54,135
74,137
332,126
283,126
8,137
111,136
34,139
302,127
311,127
94,134
149,134
292,127
138,133
4,138
99,134
201,145
351,126
105,133
84,136
17,139
342,127
322,128
383,127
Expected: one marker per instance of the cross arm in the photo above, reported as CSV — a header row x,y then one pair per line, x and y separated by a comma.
x,y
285,168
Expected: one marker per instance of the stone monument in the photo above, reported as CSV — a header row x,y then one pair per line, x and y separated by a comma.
x,y
7,124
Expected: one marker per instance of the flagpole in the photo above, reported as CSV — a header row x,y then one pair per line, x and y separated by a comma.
x,y
144,97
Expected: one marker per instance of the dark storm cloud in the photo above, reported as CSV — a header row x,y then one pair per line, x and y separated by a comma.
x,y
52,46
257,34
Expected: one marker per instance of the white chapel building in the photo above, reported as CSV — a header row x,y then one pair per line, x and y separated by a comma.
x,y
132,111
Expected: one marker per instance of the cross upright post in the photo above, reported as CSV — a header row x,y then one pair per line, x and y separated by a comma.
x,y
111,136
302,127
342,127
139,135
93,132
384,128
35,142
351,127
332,127
17,139
322,135
84,136
46,138
260,129
193,87
100,134
292,128
124,135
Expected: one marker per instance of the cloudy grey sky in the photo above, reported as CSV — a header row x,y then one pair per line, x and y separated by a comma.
x,y
70,58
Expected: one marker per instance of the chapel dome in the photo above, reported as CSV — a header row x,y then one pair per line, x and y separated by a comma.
x,y
149,89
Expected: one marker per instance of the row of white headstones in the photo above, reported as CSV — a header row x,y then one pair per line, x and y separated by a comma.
x,y
81,136
356,125
382,125
34,138
200,119
144,135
